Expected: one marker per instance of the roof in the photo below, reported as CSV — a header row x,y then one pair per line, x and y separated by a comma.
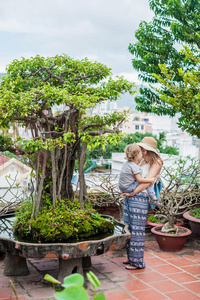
x,y
3,159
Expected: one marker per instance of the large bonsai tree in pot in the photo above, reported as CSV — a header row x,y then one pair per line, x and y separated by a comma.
x,y
180,190
29,93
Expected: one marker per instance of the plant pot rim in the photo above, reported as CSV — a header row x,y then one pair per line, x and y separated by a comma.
x,y
156,232
180,223
187,216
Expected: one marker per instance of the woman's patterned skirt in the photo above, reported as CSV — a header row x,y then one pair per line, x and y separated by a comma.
x,y
135,216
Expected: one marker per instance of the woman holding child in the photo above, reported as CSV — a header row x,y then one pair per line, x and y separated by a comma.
x,y
137,192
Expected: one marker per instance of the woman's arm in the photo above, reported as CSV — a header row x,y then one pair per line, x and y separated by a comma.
x,y
144,180
153,172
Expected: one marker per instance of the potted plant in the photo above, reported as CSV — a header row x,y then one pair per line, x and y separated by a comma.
x,y
160,219
30,92
193,216
180,190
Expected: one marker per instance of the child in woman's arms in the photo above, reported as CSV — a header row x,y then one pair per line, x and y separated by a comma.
x,y
130,175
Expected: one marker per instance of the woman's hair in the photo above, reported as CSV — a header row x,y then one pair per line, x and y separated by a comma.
x,y
152,157
131,151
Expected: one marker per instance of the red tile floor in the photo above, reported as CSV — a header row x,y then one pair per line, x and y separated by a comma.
x,y
167,276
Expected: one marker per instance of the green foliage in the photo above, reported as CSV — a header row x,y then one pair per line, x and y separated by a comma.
x,y
184,96
6,143
195,212
119,147
29,91
67,222
73,287
175,22
153,219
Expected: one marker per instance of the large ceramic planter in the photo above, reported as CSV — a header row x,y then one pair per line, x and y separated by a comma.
x,y
170,242
71,256
179,223
194,223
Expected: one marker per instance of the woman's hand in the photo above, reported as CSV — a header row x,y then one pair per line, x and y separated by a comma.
x,y
127,194
152,180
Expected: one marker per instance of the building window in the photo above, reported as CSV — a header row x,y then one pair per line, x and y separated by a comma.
x,y
142,127
136,127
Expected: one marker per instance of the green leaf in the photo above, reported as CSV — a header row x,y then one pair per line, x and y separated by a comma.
x,y
73,279
74,292
100,296
93,279
51,279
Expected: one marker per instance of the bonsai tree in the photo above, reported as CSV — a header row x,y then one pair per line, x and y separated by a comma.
x,y
29,94
180,190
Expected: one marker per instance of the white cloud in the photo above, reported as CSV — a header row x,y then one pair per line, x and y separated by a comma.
x,y
98,29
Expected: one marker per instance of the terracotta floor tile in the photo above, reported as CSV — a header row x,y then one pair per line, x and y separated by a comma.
x,y
150,277
99,260
117,295
147,254
14,298
119,260
166,286
154,261
6,292
166,255
182,277
194,256
40,294
105,285
193,286
4,282
183,295
134,285
115,253
180,262
194,270
119,276
149,294
109,267
166,269
145,270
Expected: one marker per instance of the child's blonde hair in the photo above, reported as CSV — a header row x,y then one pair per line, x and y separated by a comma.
x,y
131,151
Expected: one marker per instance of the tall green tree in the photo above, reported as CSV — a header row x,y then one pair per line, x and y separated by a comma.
x,y
175,22
28,94
185,95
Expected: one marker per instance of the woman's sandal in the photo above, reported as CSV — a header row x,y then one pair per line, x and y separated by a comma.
x,y
126,262
131,267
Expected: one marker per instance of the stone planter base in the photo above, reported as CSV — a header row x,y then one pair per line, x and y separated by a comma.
x,y
15,265
71,256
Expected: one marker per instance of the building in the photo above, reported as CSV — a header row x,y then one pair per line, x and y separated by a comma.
x,y
14,178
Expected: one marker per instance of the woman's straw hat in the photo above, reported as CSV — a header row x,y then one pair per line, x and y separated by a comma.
x,y
149,143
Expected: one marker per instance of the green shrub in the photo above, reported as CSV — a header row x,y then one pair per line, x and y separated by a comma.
x,y
195,212
67,222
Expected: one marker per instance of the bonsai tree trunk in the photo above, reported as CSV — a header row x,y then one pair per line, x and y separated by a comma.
x,y
169,226
83,196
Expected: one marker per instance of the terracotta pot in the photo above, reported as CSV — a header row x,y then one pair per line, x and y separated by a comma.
x,y
194,223
179,223
170,242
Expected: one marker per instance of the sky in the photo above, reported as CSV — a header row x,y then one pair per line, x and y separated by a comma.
x,y
100,30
